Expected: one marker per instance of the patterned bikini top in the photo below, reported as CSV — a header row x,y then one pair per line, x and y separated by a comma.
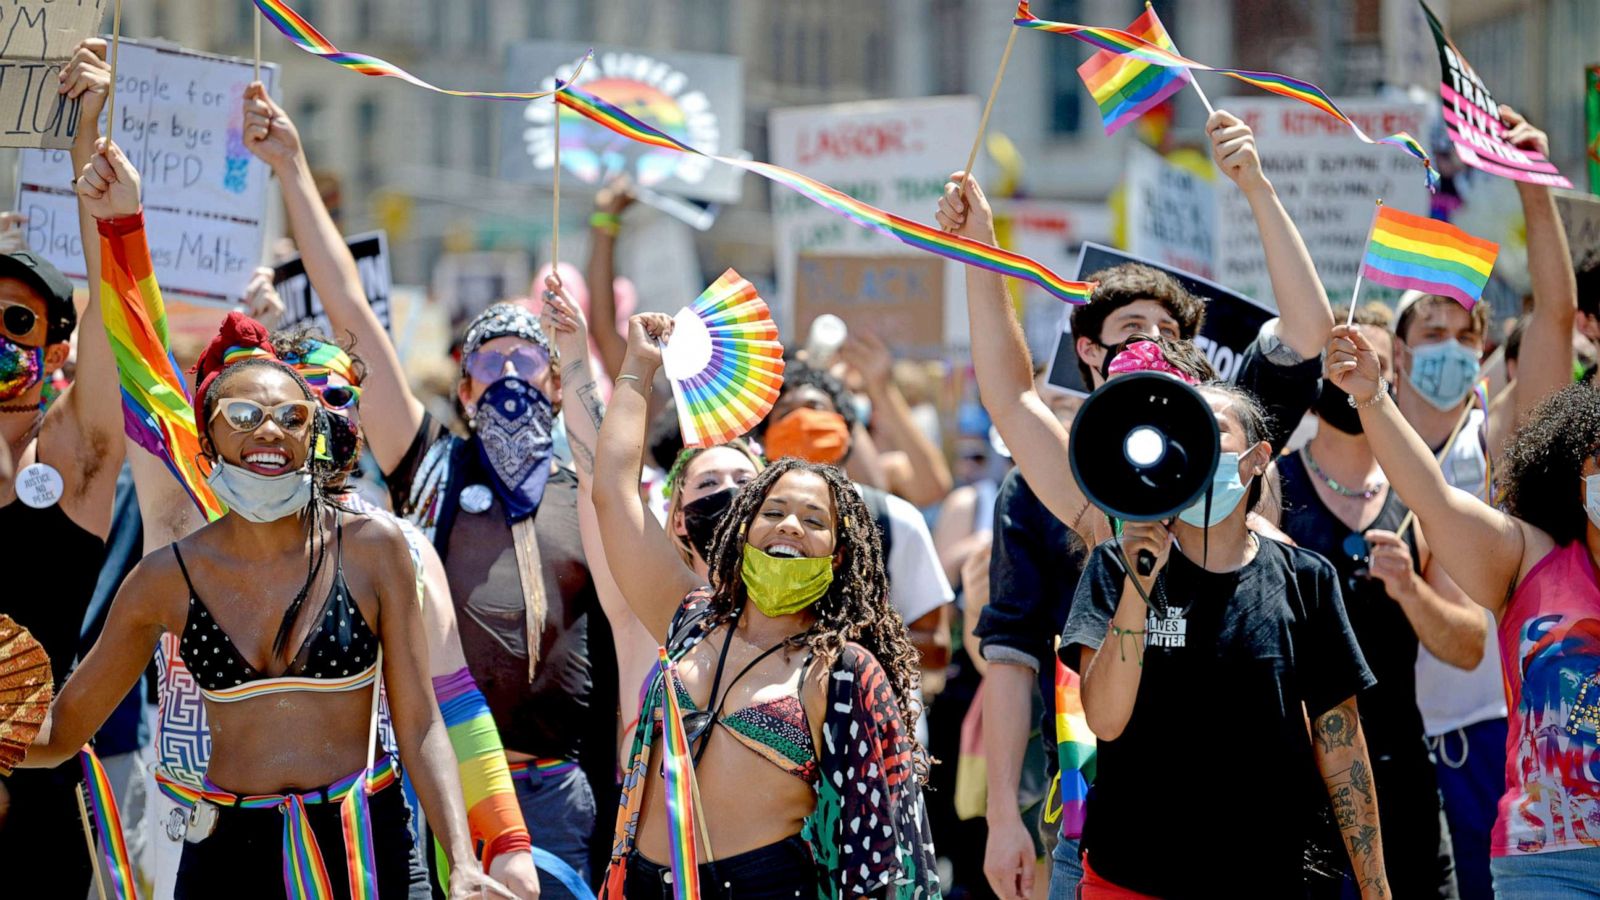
x,y
340,654
776,729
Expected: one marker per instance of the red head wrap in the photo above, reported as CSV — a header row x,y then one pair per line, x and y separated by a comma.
x,y
240,337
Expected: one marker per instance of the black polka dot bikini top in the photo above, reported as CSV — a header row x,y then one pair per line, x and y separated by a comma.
x,y
340,653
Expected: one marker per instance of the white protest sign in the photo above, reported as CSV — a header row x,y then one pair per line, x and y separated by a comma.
x,y
300,300
180,120
37,38
1172,213
1052,232
1328,182
893,154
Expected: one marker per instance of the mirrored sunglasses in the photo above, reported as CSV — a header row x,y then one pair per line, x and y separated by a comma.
x,y
530,362
245,416
340,396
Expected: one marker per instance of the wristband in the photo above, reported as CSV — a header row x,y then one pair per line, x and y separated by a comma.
x,y
608,223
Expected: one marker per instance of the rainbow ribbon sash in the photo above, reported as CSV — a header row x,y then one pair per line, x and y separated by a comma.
x,y
1122,42
678,770
120,879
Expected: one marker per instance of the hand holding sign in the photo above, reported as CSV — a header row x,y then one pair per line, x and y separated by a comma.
x,y
261,298
269,133
109,184
1522,135
87,78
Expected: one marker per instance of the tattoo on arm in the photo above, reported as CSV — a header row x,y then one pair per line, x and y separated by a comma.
x,y
1336,728
581,454
1341,753
589,396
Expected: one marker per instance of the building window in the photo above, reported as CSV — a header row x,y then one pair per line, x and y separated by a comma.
x,y
367,132
1066,89
309,123
703,26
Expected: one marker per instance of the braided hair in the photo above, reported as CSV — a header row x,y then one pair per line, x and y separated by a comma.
x,y
855,608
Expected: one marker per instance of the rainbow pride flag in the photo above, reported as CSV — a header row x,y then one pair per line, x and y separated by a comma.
x,y
121,882
1075,750
1132,45
1416,253
1126,87
678,770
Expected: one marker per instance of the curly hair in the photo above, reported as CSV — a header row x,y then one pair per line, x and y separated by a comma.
x,y
1544,463
1128,283
798,374
298,340
856,607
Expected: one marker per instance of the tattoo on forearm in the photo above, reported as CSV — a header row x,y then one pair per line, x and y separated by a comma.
x,y
589,396
1344,808
1342,757
570,370
1361,779
581,454
1336,728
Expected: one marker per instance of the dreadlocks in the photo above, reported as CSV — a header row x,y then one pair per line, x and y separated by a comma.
x,y
856,607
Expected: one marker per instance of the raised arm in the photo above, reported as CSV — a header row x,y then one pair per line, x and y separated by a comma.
x,y
1545,365
929,479
1037,440
602,270
1341,752
647,569
391,414
1305,318
113,665
1485,550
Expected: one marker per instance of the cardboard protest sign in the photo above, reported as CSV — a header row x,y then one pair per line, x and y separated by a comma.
x,y
900,298
300,300
1326,185
37,38
1580,215
893,154
1172,213
1232,319
1472,120
180,120
698,98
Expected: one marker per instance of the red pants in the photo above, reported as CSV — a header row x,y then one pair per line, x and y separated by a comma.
x,y
1093,887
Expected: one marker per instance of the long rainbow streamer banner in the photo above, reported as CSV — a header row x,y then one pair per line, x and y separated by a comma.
x,y
303,35
678,770
156,410
1122,42
915,234
120,879
1126,87
1410,252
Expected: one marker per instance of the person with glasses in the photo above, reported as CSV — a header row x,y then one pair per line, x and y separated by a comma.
x,y
56,504
501,513
1338,502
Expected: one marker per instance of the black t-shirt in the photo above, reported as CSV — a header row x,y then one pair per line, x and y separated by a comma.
x,y
547,718
1213,781
1389,714
1285,392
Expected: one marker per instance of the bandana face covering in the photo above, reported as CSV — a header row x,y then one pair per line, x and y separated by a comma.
x,y
260,498
513,424
813,435
781,586
20,368
701,518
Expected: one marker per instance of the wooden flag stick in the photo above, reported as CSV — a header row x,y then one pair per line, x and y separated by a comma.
x,y
88,838
1411,515
988,106
111,89
555,203
258,45
1351,318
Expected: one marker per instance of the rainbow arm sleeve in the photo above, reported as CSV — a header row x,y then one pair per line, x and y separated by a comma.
x,y
156,410
493,815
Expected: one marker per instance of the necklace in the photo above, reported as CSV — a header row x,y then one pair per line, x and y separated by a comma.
x,y
1365,493
20,407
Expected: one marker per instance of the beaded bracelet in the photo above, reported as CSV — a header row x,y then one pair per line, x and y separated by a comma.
x,y
1374,400
1122,648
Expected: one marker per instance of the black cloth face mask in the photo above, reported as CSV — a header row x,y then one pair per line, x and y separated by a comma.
x,y
1333,407
701,518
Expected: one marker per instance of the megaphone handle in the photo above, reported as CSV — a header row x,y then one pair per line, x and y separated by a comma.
x,y
1146,563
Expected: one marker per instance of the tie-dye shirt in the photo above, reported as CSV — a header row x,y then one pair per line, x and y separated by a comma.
x,y
1550,652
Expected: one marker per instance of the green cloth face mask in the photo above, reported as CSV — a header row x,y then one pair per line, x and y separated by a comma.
x,y
781,586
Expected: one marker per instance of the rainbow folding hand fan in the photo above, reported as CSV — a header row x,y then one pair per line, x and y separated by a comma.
x,y
724,362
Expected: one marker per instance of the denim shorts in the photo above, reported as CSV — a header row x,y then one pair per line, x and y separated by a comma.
x,y
1558,875
558,805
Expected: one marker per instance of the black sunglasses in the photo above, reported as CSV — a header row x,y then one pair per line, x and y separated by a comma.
x,y
19,320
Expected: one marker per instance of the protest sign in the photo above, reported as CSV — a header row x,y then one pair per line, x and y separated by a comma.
x,y
466,283
697,98
1472,120
1328,186
1050,231
37,38
893,154
300,300
899,298
1580,213
1232,319
180,120
1172,213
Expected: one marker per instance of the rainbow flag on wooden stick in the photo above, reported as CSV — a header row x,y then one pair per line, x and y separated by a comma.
x,y
1126,87
1415,253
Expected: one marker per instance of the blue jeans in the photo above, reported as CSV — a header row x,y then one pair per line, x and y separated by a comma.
x,y
1561,875
1066,870
559,809
1471,765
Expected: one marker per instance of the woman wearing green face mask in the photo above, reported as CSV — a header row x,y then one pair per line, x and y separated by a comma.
x,y
794,674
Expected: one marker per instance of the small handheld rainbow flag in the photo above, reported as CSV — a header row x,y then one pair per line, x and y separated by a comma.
x,y
303,35
678,769
1075,750
1126,87
724,362
1410,252
102,802
1121,42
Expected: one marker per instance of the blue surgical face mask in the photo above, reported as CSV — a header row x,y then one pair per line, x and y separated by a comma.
x,y
1443,374
260,498
1226,492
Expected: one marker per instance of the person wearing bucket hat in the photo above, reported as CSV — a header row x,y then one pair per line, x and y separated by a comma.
x,y
56,505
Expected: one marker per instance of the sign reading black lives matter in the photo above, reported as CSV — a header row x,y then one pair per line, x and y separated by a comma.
x,y
37,38
1472,119
697,98
1232,319
300,300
